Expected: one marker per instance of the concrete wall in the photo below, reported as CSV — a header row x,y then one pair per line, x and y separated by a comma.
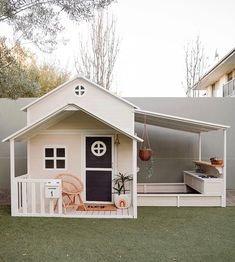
x,y
173,150
11,119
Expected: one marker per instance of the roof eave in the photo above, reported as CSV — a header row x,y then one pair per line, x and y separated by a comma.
x,y
198,86
41,121
207,125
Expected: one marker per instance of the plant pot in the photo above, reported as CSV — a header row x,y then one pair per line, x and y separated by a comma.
x,y
218,162
122,201
145,154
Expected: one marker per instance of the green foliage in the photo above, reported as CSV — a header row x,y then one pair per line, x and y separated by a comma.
x,y
40,21
15,80
120,182
21,76
49,76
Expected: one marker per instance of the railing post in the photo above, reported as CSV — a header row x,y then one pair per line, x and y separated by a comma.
x,y
24,198
60,209
33,198
42,201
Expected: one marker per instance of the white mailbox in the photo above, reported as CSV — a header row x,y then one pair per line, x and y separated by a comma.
x,y
52,190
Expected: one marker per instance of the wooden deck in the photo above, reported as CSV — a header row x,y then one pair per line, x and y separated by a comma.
x,y
120,213
72,213
31,202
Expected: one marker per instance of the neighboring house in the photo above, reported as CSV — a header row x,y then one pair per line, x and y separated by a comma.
x,y
219,81
82,129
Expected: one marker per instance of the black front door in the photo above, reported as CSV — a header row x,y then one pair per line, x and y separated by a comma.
x,y
98,169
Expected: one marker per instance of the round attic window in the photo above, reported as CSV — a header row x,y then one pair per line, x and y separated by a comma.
x,y
98,148
80,90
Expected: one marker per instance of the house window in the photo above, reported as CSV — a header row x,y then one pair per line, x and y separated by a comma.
x,y
54,158
98,148
229,87
80,90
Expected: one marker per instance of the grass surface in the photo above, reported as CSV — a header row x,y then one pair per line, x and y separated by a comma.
x,y
159,234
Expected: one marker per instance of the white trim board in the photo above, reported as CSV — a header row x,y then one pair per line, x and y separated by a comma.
x,y
77,131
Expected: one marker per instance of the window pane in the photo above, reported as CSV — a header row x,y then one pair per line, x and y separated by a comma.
x,y
60,163
60,152
49,163
49,152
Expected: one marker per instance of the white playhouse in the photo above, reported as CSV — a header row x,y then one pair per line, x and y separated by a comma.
x,y
85,133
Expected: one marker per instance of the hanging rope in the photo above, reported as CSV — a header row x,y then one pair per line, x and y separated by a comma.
x,y
145,136
145,152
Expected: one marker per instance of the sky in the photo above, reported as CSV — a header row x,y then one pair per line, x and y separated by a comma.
x,y
153,35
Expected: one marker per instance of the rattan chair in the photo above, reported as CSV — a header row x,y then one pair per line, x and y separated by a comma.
x,y
72,187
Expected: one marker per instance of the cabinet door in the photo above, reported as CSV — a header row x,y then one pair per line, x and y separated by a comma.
x,y
194,182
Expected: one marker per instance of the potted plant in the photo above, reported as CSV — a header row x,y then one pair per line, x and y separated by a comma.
x,y
122,198
145,154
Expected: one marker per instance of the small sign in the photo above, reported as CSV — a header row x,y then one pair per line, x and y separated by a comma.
x,y
52,190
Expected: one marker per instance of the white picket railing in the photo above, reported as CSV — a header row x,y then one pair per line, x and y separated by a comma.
x,y
31,197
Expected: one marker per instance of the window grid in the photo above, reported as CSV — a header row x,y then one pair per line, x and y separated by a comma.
x,y
54,158
80,90
98,148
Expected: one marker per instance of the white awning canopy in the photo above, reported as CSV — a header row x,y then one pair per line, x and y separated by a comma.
x,y
177,123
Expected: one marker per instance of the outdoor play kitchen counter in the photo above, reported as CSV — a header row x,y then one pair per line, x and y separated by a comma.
x,y
203,183
197,189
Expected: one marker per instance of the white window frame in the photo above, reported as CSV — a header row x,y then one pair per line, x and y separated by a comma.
x,y
98,145
77,93
54,158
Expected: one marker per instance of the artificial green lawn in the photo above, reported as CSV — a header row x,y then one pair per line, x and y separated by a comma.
x,y
159,234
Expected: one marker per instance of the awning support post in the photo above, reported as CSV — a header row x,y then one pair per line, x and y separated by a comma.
x,y
225,167
134,173
200,146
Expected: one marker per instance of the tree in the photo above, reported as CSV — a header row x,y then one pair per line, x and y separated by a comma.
x,y
22,76
98,53
49,76
196,64
40,21
15,80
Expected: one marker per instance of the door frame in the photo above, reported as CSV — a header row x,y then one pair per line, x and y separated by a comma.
x,y
84,169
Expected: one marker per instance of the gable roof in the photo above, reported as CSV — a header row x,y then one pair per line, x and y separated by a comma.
x,y
72,80
176,123
57,115
224,66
